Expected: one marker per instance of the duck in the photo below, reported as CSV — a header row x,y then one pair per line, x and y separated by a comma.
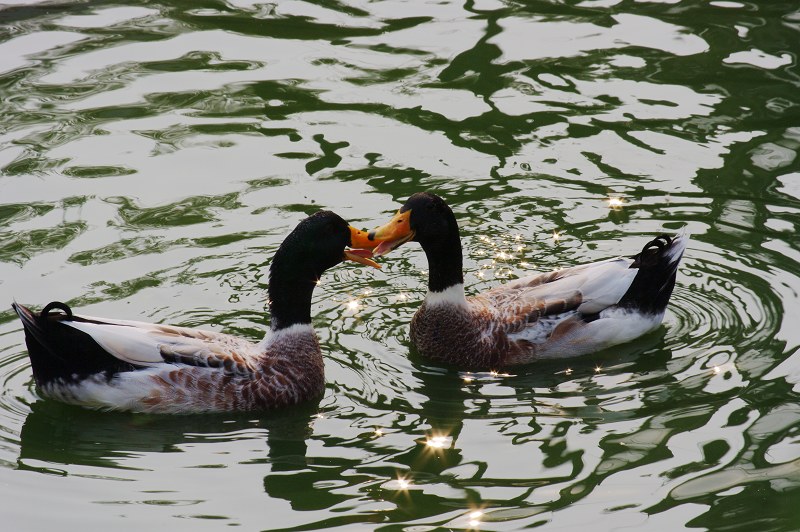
x,y
111,364
569,312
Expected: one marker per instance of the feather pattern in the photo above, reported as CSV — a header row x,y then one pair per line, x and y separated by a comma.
x,y
182,370
568,312
147,367
147,344
564,313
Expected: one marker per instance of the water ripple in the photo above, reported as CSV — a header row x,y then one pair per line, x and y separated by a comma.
x,y
153,158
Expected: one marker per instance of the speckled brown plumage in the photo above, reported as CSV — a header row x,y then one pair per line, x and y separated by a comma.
x,y
145,367
191,370
568,312
289,372
480,334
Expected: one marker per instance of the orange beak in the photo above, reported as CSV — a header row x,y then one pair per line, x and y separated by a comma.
x,y
362,254
360,239
387,237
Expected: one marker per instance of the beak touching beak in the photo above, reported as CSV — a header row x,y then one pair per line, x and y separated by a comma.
x,y
387,237
363,253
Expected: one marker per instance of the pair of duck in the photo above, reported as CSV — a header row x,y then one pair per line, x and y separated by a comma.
x,y
129,365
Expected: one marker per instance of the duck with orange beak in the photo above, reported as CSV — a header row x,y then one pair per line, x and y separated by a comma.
x,y
566,313
113,364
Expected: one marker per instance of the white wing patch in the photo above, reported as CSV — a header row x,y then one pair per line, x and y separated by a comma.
x,y
600,286
145,344
604,285
128,343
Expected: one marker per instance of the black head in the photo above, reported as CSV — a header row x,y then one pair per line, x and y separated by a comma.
x,y
431,219
427,219
424,218
316,244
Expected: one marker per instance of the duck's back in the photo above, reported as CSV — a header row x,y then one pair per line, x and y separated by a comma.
x,y
144,367
565,313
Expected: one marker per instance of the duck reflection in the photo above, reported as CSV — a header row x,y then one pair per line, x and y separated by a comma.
x,y
541,418
56,433
443,411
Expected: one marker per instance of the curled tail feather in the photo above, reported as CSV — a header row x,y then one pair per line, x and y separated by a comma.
x,y
60,352
658,265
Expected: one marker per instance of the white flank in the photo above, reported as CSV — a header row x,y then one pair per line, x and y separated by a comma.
x,y
453,296
129,390
615,326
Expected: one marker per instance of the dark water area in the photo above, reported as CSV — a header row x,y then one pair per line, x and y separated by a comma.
x,y
154,155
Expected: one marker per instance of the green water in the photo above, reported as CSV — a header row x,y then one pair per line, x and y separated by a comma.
x,y
153,156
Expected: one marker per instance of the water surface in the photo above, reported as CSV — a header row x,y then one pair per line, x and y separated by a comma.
x,y
153,156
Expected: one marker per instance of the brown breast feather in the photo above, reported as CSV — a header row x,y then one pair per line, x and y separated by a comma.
x,y
288,373
478,336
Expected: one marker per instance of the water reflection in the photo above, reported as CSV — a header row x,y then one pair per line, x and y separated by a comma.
x,y
54,433
154,156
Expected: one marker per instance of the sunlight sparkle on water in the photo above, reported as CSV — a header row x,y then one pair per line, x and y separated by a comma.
x,y
353,305
438,441
403,483
615,203
474,518
556,236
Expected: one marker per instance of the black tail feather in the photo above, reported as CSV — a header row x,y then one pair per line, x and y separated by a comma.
x,y
658,266
60,352
59,305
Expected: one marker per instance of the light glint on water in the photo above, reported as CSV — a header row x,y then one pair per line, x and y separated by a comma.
x,y
154,158
615,203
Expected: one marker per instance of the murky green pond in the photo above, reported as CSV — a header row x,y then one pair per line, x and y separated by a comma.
x,y
154,154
